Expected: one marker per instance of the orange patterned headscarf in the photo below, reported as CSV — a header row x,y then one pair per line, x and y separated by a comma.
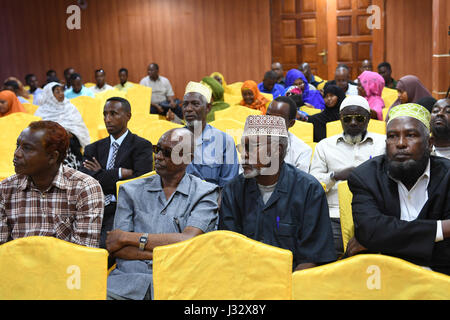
x,y
13,103
260,101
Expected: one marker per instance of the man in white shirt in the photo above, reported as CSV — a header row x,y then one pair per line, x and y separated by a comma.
x,y
298,152
163,97
401,200
440,128
336,157
101,85
342,78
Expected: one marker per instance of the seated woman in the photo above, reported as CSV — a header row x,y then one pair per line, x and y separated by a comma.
x,y
16,86
9,103
252,98
310,97
370,86
333,99
56,107
217,97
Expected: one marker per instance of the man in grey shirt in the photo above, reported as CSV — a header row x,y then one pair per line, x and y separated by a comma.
x,y
166,208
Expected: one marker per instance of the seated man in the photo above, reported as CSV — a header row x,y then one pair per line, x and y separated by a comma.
x,y
336,157
298,153
166,208
342,80
124,84
385,70
312,79
366,65
278,69
440,128
401,200
215,157
77,88
67,74
46,198
32,82
100,82
121,156
274,202
163,97
270,85
14,86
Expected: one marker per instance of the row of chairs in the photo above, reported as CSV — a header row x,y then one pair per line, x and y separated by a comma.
x,y
46,268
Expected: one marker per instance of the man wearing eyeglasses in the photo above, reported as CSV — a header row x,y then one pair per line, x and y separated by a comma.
x,y
162,209
336,157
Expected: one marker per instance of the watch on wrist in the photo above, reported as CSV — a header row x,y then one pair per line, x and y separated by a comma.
x,y
143,241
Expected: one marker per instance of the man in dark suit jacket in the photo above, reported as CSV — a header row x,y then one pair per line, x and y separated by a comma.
x,y
121,156
401,200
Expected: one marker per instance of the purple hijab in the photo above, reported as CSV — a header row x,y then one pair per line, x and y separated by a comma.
x,y
312,97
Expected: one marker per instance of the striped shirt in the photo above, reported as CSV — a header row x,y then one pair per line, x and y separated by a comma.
x,y
71,209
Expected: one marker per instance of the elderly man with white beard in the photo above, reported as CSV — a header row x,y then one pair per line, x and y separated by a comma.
x,y
336,157
274,202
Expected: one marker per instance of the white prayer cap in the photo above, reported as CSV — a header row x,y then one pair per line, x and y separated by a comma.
x,y
199,88
355,101
263,125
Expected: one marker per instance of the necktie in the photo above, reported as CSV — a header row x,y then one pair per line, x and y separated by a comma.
x,y
109,166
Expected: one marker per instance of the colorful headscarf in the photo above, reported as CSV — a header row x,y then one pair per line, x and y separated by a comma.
x,y
373,85
311,97
215,86
260,101
413,87
13,102
412,110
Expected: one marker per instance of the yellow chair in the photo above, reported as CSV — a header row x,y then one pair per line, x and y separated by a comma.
x,y
30,108
389,96
140,99
105,95
139,121
232,99
12,125
313,147
46,268
370,277
221,265
230,126
121,182
239,113
91,111
385,113
154,131
235,88
310,111
345,211
268,96
303,130
89,84
376,126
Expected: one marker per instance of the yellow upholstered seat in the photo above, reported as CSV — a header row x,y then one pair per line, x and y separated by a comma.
x,y
140,99
154,131
370,277
89,84
345,211
310,111
91,111
303,130
30,108
239,113
376,126
46,268
232,127
11,127
221,265
389,96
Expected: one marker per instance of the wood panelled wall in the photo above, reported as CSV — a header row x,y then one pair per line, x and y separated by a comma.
x,y
409,38
187,38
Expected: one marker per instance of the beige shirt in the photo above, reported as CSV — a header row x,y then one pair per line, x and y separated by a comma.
x,y
333,154
161,88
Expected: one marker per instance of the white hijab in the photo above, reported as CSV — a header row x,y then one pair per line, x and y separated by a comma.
x,y
64,113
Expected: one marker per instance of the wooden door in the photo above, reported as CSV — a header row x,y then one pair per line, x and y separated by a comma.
x,y
303,30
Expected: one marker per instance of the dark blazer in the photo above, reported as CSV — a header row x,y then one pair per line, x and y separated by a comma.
x,y
134,153
376,214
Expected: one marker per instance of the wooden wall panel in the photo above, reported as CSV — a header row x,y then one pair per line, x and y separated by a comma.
x,y
187,38
409,38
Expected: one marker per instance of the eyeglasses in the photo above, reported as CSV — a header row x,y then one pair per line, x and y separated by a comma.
x,y
358,118
166,152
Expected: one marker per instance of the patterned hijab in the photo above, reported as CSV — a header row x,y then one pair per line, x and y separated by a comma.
x,y
311,97
373,85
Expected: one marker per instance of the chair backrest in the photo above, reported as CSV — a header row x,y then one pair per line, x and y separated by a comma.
x,y
389,96
154,131
89,84
91,111
310,111
370,277
11,127
303,130
345,197
140,99
30,107
239,113
122,182
313,147
46,268
376,126
221,265
232,127
385,113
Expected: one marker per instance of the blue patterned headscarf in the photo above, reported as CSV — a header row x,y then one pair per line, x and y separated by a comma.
x,y
312,97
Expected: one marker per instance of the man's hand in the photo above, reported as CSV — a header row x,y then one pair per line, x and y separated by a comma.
x,y
158,107
115,240
354,247
343,174
93,165
126,173
170,115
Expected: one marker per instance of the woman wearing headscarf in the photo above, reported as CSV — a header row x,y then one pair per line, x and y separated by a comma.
x,y
9,103
310,97
410,90
252,98
217,97
370,86
333,99
56,107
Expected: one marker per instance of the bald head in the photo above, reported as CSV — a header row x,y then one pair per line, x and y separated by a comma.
x,y
342,77
278,69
